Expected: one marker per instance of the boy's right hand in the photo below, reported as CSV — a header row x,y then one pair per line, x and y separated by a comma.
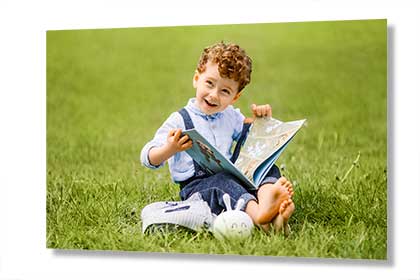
x,y
176,143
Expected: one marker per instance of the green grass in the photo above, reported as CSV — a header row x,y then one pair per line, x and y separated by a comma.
x,y
109,90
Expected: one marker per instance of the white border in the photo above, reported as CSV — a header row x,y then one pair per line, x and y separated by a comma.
x,y
23,116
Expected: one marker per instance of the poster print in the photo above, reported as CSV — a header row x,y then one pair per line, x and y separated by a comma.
x,y
109,91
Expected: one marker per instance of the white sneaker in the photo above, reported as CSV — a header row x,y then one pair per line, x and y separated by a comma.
x,y
193,213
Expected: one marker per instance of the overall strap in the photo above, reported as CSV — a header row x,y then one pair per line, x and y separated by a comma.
x,y
187,119
198,171
240,142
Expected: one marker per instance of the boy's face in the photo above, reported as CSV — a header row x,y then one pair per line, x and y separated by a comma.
x,y
214,93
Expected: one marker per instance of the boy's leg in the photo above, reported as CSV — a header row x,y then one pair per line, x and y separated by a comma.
x,y
214,187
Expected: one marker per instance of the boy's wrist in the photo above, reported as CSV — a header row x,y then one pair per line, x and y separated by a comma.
x,y
249,120
169,149
158,155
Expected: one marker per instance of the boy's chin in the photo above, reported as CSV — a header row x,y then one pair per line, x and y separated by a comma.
x,y
209,110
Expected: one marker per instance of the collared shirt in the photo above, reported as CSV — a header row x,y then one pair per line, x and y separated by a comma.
x,y
220,129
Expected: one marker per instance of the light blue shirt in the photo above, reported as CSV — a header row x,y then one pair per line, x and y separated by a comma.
x,y
220,129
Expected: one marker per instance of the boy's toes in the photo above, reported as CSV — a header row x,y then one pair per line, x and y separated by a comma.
x,y
283,206
288,211
281,180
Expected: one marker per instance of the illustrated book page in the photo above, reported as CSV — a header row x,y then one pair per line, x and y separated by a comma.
x,y
266,140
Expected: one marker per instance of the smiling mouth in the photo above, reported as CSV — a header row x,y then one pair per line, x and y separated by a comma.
x,y
210,104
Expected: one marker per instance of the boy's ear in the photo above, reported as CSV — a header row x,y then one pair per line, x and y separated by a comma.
x,y
236,97
195,78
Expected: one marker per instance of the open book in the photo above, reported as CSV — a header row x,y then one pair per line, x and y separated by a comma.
x,y
266,140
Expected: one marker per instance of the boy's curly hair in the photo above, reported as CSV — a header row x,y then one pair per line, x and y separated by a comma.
x,y
232,61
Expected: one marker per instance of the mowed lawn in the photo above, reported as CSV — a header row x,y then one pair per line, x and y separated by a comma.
x,y
109,90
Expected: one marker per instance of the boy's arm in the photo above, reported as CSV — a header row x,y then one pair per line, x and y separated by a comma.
x,y
175,143
160,139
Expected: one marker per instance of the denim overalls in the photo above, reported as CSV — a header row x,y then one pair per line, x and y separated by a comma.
x,y
213,187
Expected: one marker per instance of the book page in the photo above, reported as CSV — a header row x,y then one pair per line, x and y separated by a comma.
x,y
267,136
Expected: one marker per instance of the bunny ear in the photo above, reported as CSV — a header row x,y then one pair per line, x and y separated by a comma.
x,y
226,200
239,204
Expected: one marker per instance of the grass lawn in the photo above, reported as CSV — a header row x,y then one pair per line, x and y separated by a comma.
x,y
109,90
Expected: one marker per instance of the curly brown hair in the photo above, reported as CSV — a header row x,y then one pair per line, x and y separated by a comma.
x,y
232,61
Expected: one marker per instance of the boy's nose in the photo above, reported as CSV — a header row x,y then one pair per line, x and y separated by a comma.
x,y
213,93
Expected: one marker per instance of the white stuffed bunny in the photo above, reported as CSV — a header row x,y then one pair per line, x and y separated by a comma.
x,y
232,224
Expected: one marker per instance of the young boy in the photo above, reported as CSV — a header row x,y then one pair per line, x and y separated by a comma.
x,y
222,73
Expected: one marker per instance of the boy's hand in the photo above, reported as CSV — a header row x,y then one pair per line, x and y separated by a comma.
x,y
176,143
259,111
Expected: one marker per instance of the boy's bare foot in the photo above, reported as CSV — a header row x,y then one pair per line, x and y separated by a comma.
x,y
285,212
286,209
270,197
265,227
287,184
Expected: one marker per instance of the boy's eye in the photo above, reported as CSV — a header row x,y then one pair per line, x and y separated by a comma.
x,y
225,91
209,83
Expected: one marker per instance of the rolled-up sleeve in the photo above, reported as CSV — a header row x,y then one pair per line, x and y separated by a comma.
x,y
160,139
144,156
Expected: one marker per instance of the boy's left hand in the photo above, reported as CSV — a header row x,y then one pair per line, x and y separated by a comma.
x,y
259,111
